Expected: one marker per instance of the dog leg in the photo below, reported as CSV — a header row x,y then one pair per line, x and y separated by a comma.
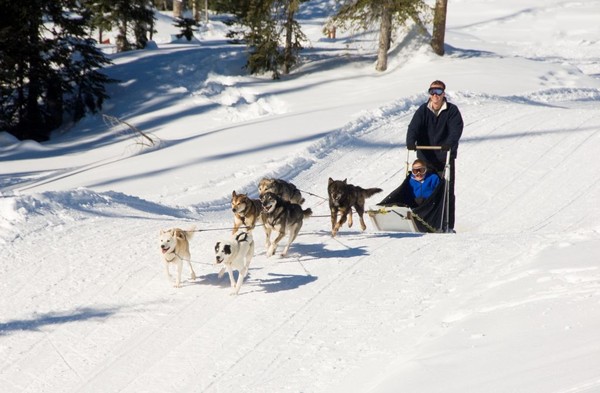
x,y
179,268
169,276
334,214
242,273
188,258
360,211
340,223
293,234
221,272
193,275
231,280
275,243
268,237
350,218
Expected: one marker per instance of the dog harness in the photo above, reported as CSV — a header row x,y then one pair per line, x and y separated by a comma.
x,y
242,237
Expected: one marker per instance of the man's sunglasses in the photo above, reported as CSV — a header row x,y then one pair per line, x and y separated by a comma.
x,y
417,171
436,90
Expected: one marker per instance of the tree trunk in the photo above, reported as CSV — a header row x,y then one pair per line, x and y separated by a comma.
x,y
177,8
287,51
206,12
439,26
196,10
385,38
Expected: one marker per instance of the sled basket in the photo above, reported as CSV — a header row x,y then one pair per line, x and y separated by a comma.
x,y
398,213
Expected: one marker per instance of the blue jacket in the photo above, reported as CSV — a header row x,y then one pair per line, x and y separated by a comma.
x,y
423,190
427,129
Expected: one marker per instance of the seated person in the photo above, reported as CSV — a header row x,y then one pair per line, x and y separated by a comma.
x,y
422,182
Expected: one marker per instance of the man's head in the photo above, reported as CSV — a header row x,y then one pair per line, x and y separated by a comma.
x,y
437,94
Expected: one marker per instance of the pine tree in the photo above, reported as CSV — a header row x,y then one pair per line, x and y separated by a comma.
x,y
133,20
264,23
187,26
49,67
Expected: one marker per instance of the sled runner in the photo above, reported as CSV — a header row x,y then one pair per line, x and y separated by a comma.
x,y
397,212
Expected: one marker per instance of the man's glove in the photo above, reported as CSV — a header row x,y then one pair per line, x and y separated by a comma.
x,y
411,147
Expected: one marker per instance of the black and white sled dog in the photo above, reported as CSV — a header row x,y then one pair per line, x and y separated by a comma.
x,y
283,217
175,248
235,254
287,191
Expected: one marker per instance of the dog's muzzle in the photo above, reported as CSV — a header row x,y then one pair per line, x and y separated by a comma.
x,y
164,249
218,260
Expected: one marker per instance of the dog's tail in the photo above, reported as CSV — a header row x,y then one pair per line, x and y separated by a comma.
x,y
369,192
307,213
189,233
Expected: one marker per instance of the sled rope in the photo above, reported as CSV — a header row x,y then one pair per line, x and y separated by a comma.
x,y
315,195
192,261
425,224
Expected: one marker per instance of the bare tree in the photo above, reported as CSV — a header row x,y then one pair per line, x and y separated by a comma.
x,y
385,38
439,26
388,14
178,8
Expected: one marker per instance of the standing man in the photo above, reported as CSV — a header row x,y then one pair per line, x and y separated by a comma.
x,y
437,123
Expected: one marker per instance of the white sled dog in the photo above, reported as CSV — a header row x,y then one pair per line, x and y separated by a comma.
x,y
175,248
235,254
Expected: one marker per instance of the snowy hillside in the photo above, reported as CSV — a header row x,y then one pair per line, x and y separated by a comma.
x,y
511,303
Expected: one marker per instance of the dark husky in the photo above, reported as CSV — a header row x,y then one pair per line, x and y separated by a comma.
x,y
282,217
342,198
246,211
287,191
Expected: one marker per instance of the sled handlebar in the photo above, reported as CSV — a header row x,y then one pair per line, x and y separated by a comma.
x,y
445,148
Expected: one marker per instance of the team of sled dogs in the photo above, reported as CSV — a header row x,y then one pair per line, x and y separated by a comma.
x,y
279,209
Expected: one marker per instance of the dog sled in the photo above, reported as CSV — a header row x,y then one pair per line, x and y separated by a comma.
x,y
398,213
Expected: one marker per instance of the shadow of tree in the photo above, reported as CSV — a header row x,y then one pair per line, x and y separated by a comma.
x,y
285,282
54,318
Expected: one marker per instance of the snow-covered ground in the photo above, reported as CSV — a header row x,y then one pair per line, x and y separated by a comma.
x,y
511,303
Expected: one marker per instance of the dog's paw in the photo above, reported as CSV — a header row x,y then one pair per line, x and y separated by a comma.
x,y
193,276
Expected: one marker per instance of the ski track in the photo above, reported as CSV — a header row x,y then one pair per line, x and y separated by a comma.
x,y
105,346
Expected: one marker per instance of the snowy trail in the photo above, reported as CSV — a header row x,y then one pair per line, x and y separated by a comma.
x,y
508,304
111,323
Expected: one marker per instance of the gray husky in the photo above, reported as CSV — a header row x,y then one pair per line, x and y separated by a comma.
x,y
282,217
287,191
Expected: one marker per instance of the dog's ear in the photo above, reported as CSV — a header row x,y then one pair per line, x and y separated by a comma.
x,y
346,181
179,235
330,181
233,194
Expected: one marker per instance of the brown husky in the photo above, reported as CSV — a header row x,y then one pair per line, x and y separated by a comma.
x,y
342,198
246,211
